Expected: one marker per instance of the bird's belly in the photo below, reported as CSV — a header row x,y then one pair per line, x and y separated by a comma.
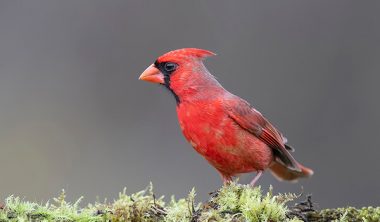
x,y
226,146
247,155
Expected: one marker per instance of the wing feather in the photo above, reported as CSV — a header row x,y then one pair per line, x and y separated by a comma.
x,y
251,120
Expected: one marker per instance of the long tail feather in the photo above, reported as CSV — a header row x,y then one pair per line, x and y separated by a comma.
x,y
282,172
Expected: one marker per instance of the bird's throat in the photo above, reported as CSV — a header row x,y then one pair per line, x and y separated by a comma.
x,y
176,97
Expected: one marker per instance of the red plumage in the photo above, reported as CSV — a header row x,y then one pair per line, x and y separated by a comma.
x,y
230,134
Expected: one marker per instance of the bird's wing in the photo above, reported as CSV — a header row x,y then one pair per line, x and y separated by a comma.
x,y
251,120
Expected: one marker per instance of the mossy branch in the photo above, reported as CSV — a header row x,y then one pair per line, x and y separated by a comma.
x,y
233,202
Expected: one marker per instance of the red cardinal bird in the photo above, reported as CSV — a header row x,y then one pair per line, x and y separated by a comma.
x,y
225,129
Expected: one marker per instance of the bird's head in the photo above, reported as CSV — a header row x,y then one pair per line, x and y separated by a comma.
x,y
182,71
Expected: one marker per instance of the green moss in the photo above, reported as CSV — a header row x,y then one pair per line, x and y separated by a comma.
x,y
365,214
181,210
249,204
233,202
18,210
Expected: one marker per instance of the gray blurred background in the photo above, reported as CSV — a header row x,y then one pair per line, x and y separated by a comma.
x,y
73,114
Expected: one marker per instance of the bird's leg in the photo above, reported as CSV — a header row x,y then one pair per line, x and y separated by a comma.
x,y
226,179
258,175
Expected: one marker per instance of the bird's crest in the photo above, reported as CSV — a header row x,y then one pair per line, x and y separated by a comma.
x,y
186,53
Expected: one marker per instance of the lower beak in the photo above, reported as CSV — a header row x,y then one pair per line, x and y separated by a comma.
x,y
152,74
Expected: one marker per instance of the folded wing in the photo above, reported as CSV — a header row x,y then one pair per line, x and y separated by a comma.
x,y
252,121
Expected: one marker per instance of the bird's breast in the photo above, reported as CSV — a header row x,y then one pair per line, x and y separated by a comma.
x,y
215,136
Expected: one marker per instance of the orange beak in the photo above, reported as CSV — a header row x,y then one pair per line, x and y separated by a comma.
x,y
152,74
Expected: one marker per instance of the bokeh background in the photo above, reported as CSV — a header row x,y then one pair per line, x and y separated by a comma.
x,y
73,114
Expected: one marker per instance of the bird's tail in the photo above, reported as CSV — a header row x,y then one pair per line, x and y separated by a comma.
x,y
282,172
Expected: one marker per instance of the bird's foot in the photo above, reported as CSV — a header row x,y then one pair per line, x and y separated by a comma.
x,y
226,179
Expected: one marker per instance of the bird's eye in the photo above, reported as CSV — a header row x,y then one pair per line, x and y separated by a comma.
x,y
170,67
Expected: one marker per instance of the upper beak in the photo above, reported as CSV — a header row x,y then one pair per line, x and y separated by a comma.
x,y
152,74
